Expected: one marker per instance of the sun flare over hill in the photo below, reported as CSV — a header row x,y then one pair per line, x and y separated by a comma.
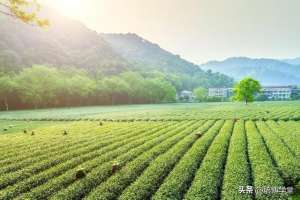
x,y
70,8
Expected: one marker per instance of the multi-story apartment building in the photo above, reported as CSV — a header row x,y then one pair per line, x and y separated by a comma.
x,y
278,92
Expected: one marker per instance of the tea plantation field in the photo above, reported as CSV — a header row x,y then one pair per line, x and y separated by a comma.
x,y
161,152
259,110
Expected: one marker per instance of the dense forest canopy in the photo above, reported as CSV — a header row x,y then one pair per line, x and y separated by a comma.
x,y
42,86
68,64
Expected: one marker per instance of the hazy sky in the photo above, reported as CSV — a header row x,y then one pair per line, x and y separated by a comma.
x,y
198,30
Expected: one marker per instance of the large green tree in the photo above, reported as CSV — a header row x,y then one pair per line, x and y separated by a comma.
x,y
117,89
7,86
159,90
136,84
42,86
38,85
81,86
246,89
201,94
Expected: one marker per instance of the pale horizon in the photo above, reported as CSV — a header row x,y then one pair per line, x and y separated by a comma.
x,y
197,30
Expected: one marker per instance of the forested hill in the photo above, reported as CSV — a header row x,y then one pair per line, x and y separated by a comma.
x,y
267,71
68,43
65,43
141,52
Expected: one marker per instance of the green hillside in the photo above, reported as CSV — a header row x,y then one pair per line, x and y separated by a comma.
x,y
141,52
68,43
67,64
65,43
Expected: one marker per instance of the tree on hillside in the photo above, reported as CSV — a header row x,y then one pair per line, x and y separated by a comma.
x,y
136,83
24,10
159,90
176,81
117,89
246,89
80,87
37,85
201,94
7,86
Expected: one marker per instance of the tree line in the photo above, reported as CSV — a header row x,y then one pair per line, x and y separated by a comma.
x,y
41,87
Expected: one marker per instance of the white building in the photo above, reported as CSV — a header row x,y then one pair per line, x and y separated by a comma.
x,y
187,96
220,92
270,92
278,92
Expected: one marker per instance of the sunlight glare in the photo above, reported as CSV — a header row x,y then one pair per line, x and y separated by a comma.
x,y
70,8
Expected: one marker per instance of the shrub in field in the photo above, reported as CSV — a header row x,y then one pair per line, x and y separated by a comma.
x,y
178,181
264,173
115,167
237,172
80,173
65,132
208,178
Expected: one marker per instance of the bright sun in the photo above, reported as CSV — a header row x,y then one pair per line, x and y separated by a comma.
x,y
71,8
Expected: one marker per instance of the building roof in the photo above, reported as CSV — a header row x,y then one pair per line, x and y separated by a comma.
x,y
280,86
186,92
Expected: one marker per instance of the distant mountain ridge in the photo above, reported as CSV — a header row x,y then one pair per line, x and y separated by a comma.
x,y
292,61
267,71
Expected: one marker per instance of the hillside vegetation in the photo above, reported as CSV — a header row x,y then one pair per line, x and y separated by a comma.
x,y
64,44
68,64
69,44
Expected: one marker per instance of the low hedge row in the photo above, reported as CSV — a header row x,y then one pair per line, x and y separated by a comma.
x,y
178,181
53,178
264,173
92,145
151,178
16,143
289,132
237,171
139,157
287,163
208,179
